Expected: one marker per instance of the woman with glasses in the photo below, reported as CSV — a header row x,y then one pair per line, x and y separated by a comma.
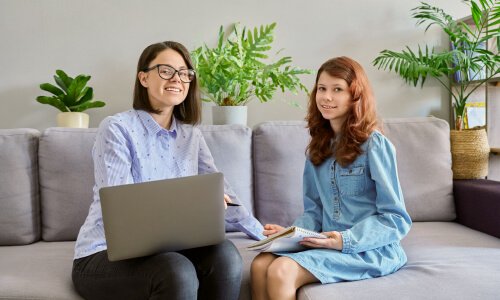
x,y
157,140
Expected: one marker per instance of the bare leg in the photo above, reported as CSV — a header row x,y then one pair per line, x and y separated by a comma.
x,y
258,273
285,276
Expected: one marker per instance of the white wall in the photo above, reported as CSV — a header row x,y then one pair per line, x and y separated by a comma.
x,y
105,38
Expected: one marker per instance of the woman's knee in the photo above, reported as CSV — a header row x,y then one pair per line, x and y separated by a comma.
x,y
281,269
227,258
174,269
260,263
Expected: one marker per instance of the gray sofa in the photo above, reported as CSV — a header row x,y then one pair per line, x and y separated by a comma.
x,y
46,186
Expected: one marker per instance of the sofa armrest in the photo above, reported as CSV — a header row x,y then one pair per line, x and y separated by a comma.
x,y
478,204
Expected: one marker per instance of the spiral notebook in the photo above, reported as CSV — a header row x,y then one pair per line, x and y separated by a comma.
x,y
286,240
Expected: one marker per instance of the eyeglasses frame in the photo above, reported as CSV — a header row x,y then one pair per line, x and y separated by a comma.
x,y
157,67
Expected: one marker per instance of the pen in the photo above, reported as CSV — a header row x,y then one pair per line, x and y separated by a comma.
x,y
232,204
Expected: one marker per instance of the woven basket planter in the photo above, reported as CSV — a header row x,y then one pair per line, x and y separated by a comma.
x,y
469,153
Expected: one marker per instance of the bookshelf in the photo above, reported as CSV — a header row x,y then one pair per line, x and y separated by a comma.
x,y
483,105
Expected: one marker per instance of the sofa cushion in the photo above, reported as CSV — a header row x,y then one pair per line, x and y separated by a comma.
x,y
278,158
66,180
241,241
38,271
67,176
425,176
231,147
446,260
19,200
424,166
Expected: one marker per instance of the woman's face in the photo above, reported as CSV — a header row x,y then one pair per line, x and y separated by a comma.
x,y
165,94
333,99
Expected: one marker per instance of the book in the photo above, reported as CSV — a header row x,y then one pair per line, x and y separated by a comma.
x,y
475,115
286,240
479,72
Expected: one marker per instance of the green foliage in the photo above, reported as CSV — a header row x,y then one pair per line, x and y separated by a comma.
x,y
466,53
71,94
234,71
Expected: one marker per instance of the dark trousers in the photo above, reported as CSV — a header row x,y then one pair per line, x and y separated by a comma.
x,y
212,272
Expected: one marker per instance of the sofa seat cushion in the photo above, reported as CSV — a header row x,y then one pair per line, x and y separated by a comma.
x,y
241,241
37,271
43,270
446,260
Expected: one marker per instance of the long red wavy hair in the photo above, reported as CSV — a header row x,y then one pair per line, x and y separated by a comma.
x,y
361,120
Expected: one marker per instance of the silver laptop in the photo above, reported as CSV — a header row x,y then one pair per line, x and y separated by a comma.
x,y
165,215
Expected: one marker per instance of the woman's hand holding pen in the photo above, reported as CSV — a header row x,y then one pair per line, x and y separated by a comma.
x,y
271,229
334,241
226,200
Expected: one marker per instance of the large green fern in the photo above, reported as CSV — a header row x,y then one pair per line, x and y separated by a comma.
x,y
235,70
466,52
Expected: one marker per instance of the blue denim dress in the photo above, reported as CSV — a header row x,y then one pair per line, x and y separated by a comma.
x,y
365,203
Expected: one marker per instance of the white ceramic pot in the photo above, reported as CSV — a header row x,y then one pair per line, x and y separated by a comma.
x,y
222,115
73,120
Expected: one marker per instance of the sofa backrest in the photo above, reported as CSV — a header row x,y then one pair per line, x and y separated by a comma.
x,y
46,181
67,176
19,201
424,166
278,162
231,147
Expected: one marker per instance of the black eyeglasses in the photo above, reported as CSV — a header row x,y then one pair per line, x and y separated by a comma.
x,y
167,72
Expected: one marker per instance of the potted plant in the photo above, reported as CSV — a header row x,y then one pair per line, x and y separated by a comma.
x,y
467,52
71,97
467,55
234,72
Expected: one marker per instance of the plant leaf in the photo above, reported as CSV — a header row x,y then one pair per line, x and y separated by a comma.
x,y
87,105
51,89
54,101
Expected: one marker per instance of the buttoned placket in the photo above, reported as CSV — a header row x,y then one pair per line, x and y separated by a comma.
x,y
336,192
166,140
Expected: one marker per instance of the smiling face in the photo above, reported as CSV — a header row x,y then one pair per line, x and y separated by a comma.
x,y
333,99
165,94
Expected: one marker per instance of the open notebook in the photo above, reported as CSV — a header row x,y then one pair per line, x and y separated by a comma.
x,y
286,240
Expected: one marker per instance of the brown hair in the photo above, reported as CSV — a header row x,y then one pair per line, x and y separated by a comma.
x,y
361,120
189,111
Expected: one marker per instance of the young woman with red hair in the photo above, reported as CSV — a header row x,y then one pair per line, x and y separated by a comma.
x,y
351,193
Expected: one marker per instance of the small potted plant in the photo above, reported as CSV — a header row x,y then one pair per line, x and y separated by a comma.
x,y
467,55
234,72
71,97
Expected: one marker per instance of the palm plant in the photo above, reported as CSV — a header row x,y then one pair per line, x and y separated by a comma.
x,y
467,52
233,72
71,94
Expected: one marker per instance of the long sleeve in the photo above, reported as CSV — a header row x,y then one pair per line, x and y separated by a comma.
x,y
391,222
111,155
312,217
237,217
